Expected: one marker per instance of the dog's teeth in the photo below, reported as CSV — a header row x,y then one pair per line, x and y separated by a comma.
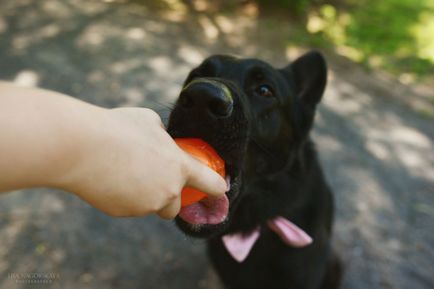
x,y
228,182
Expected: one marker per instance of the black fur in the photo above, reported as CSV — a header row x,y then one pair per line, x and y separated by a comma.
x,y
275,171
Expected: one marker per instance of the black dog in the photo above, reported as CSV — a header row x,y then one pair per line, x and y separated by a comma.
x,y
273,228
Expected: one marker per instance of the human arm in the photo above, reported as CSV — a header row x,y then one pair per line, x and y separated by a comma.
x,y
121,161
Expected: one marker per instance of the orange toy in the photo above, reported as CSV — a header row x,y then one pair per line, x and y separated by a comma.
x,y
207,155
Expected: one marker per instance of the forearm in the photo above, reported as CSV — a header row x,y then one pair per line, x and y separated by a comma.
x,y
42,136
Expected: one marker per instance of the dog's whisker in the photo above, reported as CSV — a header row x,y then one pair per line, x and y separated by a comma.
x,y
164,106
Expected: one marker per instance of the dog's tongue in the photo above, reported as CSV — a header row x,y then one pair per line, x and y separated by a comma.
x,y
207,211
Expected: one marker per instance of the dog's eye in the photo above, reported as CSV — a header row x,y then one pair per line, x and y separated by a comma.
x,y
264,90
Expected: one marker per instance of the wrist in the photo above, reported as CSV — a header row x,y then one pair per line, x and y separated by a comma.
x,y
81,139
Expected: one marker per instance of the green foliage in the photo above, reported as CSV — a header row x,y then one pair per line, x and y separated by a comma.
x,y
297,7
386,28
396,35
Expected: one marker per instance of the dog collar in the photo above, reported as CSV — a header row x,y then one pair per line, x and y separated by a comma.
x,y
239,245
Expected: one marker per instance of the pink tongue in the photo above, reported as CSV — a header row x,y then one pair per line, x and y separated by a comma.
x,y
207,211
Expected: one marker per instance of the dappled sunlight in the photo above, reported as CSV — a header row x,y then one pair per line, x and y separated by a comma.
x,y
404,145
175,10
423,32
210,30
26,216
124,66
414,150
226,25
91,8
190,55
23,41
387,162
97,35
91,37
62,11
411,137
9,235
161,65
98,31
386,137
341,97
329,144
292,52
370,198
136,33
413,160
378,149
133,97
3,25
27,78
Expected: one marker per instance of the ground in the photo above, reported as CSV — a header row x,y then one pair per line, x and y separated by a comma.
x,y
374,135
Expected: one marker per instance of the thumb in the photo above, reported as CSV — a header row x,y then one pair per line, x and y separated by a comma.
x,y
204,179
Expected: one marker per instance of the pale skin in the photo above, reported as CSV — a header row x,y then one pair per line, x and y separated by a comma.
x,y
121,161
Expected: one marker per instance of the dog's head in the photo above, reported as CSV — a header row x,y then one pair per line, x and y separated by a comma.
x,y
255,116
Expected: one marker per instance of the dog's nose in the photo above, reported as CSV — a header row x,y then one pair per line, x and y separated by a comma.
x,y
205,95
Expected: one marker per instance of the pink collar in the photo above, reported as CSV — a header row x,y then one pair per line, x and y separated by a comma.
x,y
239,245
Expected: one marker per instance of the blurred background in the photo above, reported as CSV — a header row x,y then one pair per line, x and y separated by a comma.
x,y
374,129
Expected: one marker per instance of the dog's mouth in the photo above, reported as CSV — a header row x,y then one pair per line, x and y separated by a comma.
x,y
208,211
211,214
207,109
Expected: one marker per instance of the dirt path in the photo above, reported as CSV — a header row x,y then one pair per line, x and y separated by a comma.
x,y
377,149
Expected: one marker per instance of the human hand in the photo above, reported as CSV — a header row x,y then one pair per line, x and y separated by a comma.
x,y
130,166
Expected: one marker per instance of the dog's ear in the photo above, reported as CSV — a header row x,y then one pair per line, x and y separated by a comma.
x,y
310,77
307,76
